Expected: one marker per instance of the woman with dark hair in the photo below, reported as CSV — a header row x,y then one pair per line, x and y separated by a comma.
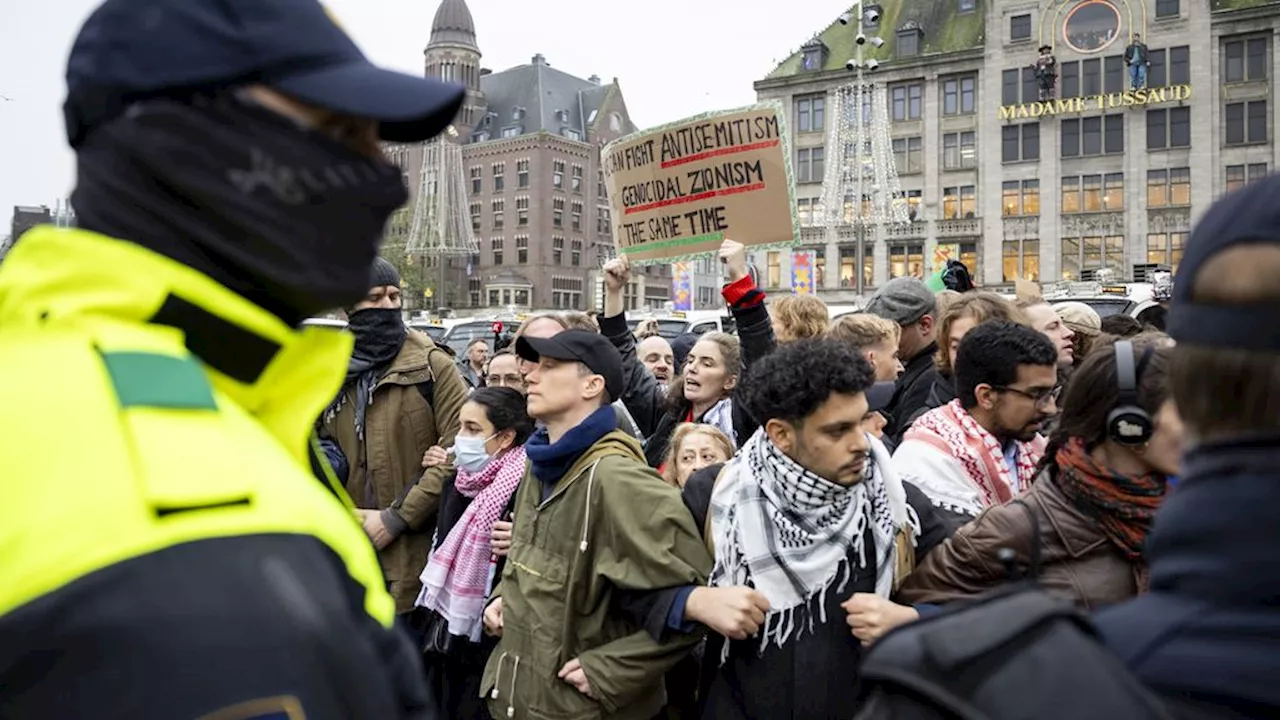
x,y
489,456
1103,476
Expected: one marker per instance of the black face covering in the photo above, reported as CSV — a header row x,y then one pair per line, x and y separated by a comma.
x,y
284,216
380,333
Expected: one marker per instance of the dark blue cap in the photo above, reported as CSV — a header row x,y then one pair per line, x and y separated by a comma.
x,y
1248,215
130,50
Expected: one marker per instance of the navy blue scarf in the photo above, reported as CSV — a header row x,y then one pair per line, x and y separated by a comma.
x,y
550,461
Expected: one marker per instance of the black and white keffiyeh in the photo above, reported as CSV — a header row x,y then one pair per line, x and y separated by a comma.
x,y
788,533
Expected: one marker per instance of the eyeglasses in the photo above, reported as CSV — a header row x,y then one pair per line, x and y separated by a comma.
x,y
1041,397
511,381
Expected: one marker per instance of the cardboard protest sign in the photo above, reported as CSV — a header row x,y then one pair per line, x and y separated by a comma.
x,y
681,189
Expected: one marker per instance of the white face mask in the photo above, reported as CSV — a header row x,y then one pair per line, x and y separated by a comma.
x,y
469,453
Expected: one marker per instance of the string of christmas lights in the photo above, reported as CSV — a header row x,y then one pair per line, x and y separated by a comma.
x,y
861,186
441,225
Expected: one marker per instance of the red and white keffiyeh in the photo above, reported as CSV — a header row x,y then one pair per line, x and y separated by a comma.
x,y
953,432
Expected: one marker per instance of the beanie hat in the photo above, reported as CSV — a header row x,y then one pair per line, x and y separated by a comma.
x,y
383,273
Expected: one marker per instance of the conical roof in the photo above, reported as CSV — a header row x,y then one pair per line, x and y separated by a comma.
x,y
453,25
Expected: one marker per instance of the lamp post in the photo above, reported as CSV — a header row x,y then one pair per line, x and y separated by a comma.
x,y
861,185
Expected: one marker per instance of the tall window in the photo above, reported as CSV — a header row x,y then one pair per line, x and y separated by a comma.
x,y
1018,85
522,211
495,244
557,174
1113,74
557,250
575,218
575,252
1020,197
907,101
906,260
1244,59
522,173
959,95
1240,175
810,165
498,206
1084,254
959,202
959,150
1246,122
912,199
499,170
1020,27
522,249
576,181
600,189
908,155
1168,128
849,263
1021,260
1020,142
1169,67
477,177
1091,76
1169,188
557,212
809,113
1069,79
475,217
1084,137
773,269
1166,248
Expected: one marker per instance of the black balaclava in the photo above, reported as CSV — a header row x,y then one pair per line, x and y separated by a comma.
x,y
282,215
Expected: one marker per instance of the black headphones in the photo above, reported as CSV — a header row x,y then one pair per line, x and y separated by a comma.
x,y
1129,424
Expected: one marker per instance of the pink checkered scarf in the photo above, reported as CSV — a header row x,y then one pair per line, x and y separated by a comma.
x,y
951,429
455,582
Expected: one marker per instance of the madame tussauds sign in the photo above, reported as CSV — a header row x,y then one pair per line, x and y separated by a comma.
x,y
1089,103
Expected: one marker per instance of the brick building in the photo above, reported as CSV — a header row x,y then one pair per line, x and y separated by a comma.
x,y
531,139
1098,177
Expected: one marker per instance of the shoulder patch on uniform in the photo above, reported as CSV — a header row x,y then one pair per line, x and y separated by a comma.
x,y
284,707
159,381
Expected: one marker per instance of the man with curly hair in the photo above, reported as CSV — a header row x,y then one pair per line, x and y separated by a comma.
x,y
809,525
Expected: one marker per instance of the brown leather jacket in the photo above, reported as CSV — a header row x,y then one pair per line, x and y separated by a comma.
x,y
1076,561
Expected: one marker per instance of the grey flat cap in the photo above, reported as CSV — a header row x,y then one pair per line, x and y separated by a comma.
x,y
903,300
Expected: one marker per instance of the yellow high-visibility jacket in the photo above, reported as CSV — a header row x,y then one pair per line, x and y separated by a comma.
x,y
165,549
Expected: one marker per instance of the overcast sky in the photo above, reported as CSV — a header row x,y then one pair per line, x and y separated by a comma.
x,y
673,58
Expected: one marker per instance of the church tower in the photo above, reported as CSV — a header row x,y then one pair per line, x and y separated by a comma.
x,y
453,55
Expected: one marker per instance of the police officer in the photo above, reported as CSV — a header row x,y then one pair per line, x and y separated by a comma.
x,y
166,550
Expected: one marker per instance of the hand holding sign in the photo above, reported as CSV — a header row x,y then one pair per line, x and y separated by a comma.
x,y
617,273
734,256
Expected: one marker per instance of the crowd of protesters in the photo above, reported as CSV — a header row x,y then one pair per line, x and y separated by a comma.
x,y
719,526
214,511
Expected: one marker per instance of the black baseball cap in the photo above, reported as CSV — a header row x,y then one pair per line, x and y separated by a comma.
x,y
880,394
1248,215
589,348
131,50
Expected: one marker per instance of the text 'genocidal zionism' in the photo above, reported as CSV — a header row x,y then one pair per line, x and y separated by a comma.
x,y
669,184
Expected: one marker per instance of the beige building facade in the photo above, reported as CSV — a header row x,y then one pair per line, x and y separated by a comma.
x,y
1097,176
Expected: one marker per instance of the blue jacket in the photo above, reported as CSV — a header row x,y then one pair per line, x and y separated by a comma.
x,y
1209,630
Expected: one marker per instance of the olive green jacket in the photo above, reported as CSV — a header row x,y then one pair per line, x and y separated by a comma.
x,y
609,524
